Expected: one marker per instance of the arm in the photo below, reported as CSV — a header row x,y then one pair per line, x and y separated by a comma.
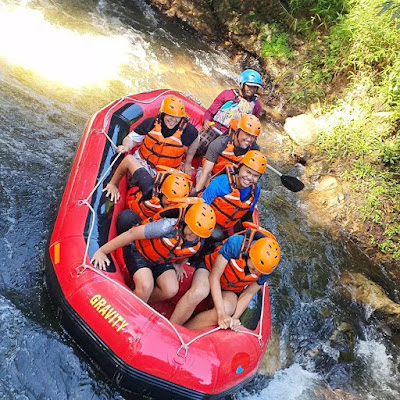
x,y
136,136
190,152
242,304
100,259
205,173
127,145
214,150
217,270
180,271
219,101
257,109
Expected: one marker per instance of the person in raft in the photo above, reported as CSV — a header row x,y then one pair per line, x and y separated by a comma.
x,y
234,194
234,273
164,139
155,251
232,104
147,195
229,148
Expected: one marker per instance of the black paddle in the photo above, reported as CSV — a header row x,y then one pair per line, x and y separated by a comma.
x,y
290,182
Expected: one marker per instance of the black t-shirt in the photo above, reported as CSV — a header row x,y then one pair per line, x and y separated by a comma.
x,y
189,134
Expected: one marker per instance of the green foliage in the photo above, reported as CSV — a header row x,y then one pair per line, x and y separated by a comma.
x,y
275,43
358,132
391,153
356,43
393,8
321,12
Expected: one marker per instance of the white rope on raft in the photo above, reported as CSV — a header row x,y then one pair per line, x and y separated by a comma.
x,y
84,266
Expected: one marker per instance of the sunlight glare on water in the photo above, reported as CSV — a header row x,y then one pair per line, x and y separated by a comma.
x,y
59,54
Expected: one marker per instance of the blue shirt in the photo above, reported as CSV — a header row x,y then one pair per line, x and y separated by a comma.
x,y
231,249
219,187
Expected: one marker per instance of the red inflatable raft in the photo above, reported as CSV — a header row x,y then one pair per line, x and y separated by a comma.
x,y
133,343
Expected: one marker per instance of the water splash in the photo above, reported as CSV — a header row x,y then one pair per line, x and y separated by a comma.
x,y
379,367
293,383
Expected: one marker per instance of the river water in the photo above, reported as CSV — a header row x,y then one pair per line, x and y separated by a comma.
x,y
60,61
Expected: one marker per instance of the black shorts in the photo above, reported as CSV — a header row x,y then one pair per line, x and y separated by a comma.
x,y
201,266
135,261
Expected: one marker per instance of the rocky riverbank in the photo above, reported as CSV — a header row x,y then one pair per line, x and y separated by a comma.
x,y
327,200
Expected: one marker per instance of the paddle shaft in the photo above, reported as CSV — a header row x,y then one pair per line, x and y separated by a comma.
x,y
290,182
273,170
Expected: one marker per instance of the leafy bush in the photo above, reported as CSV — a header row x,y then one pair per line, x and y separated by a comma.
x,y
323,12
391,153
275,43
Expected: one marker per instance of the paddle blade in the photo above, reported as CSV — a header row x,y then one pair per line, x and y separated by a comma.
x,y
292,183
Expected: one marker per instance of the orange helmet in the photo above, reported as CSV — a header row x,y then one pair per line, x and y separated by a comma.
x,y
265,255
250,124
233,124
175,186
174,106
255,160
200,218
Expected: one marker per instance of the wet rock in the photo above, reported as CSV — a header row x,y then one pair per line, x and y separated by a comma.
x,y
272,113
315,109
302,129
328,193
357,287
342,340
323,393
195,14
327,183
272,358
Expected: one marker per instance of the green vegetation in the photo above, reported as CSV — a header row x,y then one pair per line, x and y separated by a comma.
x,y
275,42
358,43
345,56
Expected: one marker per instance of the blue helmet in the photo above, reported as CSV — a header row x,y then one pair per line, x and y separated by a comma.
x,y
250,78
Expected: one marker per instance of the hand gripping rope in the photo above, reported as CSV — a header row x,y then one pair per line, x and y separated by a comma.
x,y
83,267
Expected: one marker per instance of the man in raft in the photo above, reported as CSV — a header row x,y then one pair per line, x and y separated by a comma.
x,y
155,251
233,273
232,104
147,195
164,139
233,193
229,149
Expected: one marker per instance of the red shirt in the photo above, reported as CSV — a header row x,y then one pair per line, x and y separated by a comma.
x,y
220,100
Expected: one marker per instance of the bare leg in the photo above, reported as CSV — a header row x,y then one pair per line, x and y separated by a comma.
x,y
166,287
198,291
209,318
128,164
144,283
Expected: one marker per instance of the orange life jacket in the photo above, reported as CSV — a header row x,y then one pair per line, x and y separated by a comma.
x,y
147,208
227,157
158,150
229,209
234,277
144,209
167,250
